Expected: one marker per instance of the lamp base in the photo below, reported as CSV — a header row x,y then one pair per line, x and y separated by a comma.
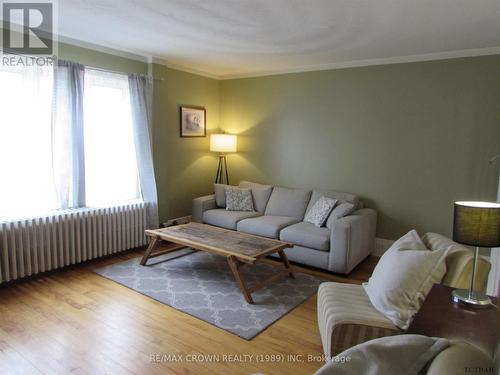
x,y
474,299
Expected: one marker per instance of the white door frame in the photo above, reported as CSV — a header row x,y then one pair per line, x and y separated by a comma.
x,y
494,276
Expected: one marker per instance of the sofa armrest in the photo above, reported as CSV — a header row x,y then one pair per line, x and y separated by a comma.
x,y
352,239
200,205
346,317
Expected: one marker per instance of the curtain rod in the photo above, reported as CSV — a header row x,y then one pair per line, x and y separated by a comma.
x,y
118,72
94,67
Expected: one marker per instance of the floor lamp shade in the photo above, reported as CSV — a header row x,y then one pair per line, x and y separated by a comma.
x,y
477,224
223,143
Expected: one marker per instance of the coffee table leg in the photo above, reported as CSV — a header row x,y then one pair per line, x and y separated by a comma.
x,y
285,261
234,264
150,248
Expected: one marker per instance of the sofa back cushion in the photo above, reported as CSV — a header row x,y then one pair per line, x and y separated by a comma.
x,y
260,193
338,195
341,210
288,202
459,262
220,195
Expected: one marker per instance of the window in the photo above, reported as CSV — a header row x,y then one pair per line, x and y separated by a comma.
x,y
110,159
27,183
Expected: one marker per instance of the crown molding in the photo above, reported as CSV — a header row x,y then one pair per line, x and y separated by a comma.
x,y
371,62
100,48
183,68
309,68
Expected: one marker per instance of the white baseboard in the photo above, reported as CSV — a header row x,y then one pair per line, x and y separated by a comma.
x,y
381,246
177,221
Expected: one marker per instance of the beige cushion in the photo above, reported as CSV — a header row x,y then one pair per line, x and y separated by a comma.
x,y
346,317
459,263
403,277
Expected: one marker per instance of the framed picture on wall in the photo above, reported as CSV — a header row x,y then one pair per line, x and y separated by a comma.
x,y
193,121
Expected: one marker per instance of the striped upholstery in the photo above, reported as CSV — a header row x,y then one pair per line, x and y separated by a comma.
x,y
346,318
349,335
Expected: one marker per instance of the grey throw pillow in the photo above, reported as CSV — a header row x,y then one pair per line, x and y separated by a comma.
x,y
319,212
340,211
238,199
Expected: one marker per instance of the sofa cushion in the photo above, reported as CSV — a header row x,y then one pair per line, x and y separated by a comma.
x,y
220,194
403,277
307,235
267,226
338,195
260,193
226,219
346,318
288,202
341,210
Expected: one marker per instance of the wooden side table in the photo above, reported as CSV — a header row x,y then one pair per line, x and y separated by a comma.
x,y
439,316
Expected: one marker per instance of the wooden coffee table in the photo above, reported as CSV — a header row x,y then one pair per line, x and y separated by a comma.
x,y
238,248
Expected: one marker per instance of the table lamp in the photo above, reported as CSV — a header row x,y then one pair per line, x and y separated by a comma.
x,y
475,224
223,144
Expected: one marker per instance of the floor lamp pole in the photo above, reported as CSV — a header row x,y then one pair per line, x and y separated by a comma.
x,y
222,170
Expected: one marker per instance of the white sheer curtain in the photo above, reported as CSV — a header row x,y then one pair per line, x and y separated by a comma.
x,y
141,93
73,137
26,178
110,154
67,134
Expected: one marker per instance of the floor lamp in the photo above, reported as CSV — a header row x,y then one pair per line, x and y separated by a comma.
x,y
475,224
222,144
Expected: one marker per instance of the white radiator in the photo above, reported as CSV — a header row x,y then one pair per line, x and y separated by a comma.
x,y
30,246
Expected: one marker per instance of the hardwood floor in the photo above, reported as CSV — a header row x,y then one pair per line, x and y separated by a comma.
x,y
74,321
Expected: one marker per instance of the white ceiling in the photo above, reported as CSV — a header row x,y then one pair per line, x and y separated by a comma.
x,y
230,38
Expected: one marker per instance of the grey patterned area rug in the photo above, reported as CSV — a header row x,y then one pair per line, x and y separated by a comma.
x,y
203,286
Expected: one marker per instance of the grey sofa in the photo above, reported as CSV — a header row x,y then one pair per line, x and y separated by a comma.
x,y
337,247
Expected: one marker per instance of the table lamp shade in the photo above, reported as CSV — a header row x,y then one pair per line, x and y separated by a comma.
x,y
223,143
477,224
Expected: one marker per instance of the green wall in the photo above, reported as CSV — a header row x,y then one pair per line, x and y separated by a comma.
x,y
410,139
184,167
101,60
